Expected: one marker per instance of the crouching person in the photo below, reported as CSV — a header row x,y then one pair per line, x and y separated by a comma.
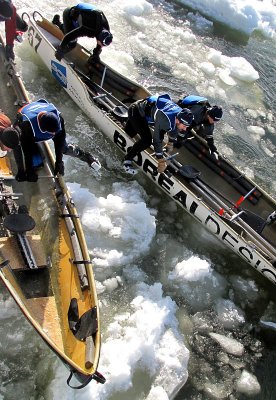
x,y
36,122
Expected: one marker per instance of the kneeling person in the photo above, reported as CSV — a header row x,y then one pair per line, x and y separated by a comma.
x,y
36,122
205,117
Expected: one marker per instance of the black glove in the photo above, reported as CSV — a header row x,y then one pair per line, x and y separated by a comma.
x,y
56,21
59,168
59,53
31,175
94,59
179,142
21,176
9,52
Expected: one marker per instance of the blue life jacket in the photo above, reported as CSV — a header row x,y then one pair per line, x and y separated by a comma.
x,y
30,113
193,99
151,101
82,7
168,108
85,6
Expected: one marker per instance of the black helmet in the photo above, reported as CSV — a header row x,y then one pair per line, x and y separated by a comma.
x,y
6,9
49,122
9,137
215,113
185,116
105,37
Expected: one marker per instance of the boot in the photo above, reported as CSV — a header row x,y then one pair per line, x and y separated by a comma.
x,y
75,151
271,218
128,167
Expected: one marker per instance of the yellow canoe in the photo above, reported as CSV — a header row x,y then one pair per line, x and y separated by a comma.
x,y
44,260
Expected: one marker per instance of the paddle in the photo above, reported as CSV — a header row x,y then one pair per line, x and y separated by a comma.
x,y
102,96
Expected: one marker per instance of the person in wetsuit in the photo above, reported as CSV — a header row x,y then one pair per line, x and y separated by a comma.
x,y
83,20
14,26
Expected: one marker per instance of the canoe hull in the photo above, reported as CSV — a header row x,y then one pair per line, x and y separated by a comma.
x,y
45,264
244,240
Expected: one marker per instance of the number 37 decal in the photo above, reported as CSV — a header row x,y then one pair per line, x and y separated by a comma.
x,y
34,38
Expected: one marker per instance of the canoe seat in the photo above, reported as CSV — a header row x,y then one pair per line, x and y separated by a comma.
x,y
84,326
189,172
255,221
19,223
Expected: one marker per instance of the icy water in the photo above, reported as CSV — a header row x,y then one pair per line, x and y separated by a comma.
x,y
182,317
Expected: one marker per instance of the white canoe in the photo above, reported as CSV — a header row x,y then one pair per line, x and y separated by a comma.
x,y
222,198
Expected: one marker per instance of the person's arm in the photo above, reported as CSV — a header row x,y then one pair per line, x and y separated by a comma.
x,y
27,143
59,143
208,131
18,156
104,22
10,28
71,36
160,128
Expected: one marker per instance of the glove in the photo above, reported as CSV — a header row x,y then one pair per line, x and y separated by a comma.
x,y
19,37
9,52
179,142
56,21
94,59
96,165
214,154
169,148
31,175
21,176
161,165
59,168
59,54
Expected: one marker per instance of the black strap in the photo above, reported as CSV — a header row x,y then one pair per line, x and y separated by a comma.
x,y
69,215
80,386
86,262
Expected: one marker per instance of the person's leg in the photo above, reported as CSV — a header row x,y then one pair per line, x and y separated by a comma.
x,y
137,124
73,150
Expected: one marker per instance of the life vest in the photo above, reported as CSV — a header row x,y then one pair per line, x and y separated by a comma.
x,y
85,7
30,113
191,100
150,103
85,18
168,108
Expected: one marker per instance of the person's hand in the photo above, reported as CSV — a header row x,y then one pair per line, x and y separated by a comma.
x,y
169,148
21,176
94,59
59,54
31,176
179,142
59,168
161,165
96,165
9,52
